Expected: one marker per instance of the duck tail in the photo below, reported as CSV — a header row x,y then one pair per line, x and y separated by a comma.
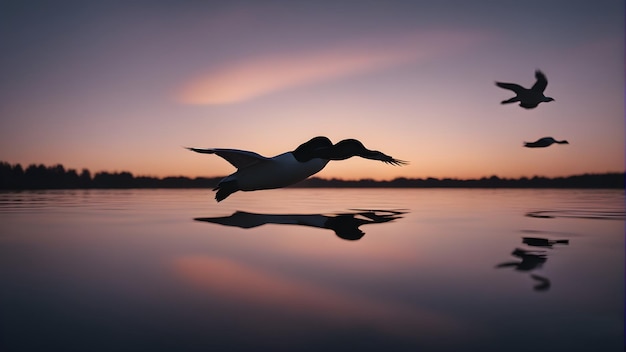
x,y
224,189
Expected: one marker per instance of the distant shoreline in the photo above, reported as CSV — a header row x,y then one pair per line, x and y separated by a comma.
x,y
14,177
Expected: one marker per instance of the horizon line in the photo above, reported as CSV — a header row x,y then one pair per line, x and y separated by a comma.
x,y
58,177
452,178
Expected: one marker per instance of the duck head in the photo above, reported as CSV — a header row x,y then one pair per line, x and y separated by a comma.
x,y
348,148
312,149
323,148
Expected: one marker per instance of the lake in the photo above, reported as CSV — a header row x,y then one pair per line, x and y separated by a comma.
x,y
312,270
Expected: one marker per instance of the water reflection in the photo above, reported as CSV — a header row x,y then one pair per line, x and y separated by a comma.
x,y
578,214
532,260
146,275
542,242
345,225
543,284
553,233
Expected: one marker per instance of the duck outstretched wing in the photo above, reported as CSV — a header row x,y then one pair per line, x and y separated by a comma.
x,y
238,158
511,86
542,82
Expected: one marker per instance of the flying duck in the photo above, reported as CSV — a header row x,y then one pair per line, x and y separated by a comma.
x,y
528,98
543,142
256,172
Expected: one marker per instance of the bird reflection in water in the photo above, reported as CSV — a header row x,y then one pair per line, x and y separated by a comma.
x,y
542,242
345,225
532,260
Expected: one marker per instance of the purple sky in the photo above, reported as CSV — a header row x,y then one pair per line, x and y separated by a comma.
x,y
118,85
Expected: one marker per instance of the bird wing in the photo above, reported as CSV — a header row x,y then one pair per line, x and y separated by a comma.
x,y
511,86
540,143
540,140
240,219
393,161
376,155
542,82
238,158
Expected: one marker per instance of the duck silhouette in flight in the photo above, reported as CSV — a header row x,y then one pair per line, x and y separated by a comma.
x,y
543,142
528,98
256,172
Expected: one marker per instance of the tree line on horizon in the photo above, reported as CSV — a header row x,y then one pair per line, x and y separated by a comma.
x,y
39,176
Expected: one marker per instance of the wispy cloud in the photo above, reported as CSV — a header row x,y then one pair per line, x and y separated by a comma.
x,y
257,76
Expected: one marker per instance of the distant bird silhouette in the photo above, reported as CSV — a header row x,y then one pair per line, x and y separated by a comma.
x,y
543,142
256,172
528,98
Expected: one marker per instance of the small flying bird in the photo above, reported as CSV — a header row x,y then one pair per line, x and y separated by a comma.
x,y
528,98
543,142
256,172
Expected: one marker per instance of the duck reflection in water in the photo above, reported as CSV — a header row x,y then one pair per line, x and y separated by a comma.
x,y
542,242
532,260
345,225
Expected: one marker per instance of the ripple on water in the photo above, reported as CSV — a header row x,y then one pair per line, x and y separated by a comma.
x,y
579,214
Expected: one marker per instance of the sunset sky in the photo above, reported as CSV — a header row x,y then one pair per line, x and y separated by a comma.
x,y
124,86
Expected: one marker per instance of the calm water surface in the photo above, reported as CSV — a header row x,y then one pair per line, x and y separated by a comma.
x,y
312,270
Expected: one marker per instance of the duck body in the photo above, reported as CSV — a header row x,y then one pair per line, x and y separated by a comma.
x,y
279,171
543,142
528,98
256,172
